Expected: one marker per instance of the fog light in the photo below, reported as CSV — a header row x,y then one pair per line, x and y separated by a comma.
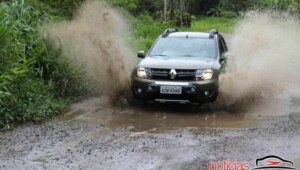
x,y
206,93
140,90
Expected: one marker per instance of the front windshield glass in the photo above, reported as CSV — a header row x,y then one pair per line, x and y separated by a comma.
x,y
185,47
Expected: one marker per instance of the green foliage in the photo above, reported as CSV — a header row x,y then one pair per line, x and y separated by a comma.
x,y
224,8
57,8
26,100
214,11
150,7
148,29
205,24
35,81
228,14
238,6
128,5
67,79
290,5
139,7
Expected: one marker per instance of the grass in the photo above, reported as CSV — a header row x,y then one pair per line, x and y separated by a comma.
x,y
36,82
56,10
148,29
205,24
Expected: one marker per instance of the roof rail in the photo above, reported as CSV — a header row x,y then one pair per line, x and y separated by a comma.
x,y
169,31
213,32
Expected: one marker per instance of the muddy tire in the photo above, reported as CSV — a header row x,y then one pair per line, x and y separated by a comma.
x,y
132,101
214,97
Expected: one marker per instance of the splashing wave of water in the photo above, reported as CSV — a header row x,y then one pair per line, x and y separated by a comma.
x,y
96,39
264,61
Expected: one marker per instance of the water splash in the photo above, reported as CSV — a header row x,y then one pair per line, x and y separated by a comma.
x,y
264,61
96,39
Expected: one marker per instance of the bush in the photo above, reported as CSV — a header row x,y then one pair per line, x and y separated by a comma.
x,y
27,100
139,7
61,8
238,5
148,30
35,81
128,5
228,14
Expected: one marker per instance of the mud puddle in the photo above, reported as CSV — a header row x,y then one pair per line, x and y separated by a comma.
x,y
155,117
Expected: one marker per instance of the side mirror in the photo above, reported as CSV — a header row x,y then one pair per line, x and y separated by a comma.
x,y
141,54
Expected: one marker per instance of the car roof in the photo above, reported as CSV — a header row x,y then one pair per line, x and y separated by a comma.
x,y
188,34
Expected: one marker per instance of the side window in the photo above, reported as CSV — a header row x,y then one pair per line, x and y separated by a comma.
x,y
224,44
221,47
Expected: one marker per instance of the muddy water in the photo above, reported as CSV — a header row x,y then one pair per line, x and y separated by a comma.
x,y
158,117
100,46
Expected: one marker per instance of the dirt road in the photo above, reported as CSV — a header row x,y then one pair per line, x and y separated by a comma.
x,y
94,135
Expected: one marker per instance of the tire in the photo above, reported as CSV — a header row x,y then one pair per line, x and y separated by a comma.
x,y
134,100
214,97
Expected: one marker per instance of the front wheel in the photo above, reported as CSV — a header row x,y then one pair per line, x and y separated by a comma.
x,y
214,97
135,100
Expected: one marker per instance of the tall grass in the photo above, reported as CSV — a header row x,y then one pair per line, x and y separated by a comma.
x,y
35,81
57,9
148,29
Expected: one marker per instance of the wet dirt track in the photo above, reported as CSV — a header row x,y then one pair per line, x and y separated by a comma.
x,y
94,135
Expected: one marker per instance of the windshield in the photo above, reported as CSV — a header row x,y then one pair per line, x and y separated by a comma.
x,y
185,47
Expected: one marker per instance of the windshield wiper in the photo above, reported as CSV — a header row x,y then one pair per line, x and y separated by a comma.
x,y
186,55
159,55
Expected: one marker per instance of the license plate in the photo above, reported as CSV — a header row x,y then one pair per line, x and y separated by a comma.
x,y
170,89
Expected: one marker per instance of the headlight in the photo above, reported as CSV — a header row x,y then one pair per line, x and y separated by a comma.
x,y
204,74
143,72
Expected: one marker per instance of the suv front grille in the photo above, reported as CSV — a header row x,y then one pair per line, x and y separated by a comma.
x,y
163,74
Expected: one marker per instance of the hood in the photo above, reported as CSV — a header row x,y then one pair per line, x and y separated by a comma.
x,y
165,62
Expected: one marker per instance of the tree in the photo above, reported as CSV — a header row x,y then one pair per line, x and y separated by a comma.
x,y
175,10
165,9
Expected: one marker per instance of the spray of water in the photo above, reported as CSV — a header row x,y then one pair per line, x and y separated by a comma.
x,y
96,40
264,61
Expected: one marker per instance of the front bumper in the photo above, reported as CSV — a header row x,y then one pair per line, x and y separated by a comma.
x,y
193,91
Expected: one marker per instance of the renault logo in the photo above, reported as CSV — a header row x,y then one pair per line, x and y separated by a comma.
x,y
172,74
